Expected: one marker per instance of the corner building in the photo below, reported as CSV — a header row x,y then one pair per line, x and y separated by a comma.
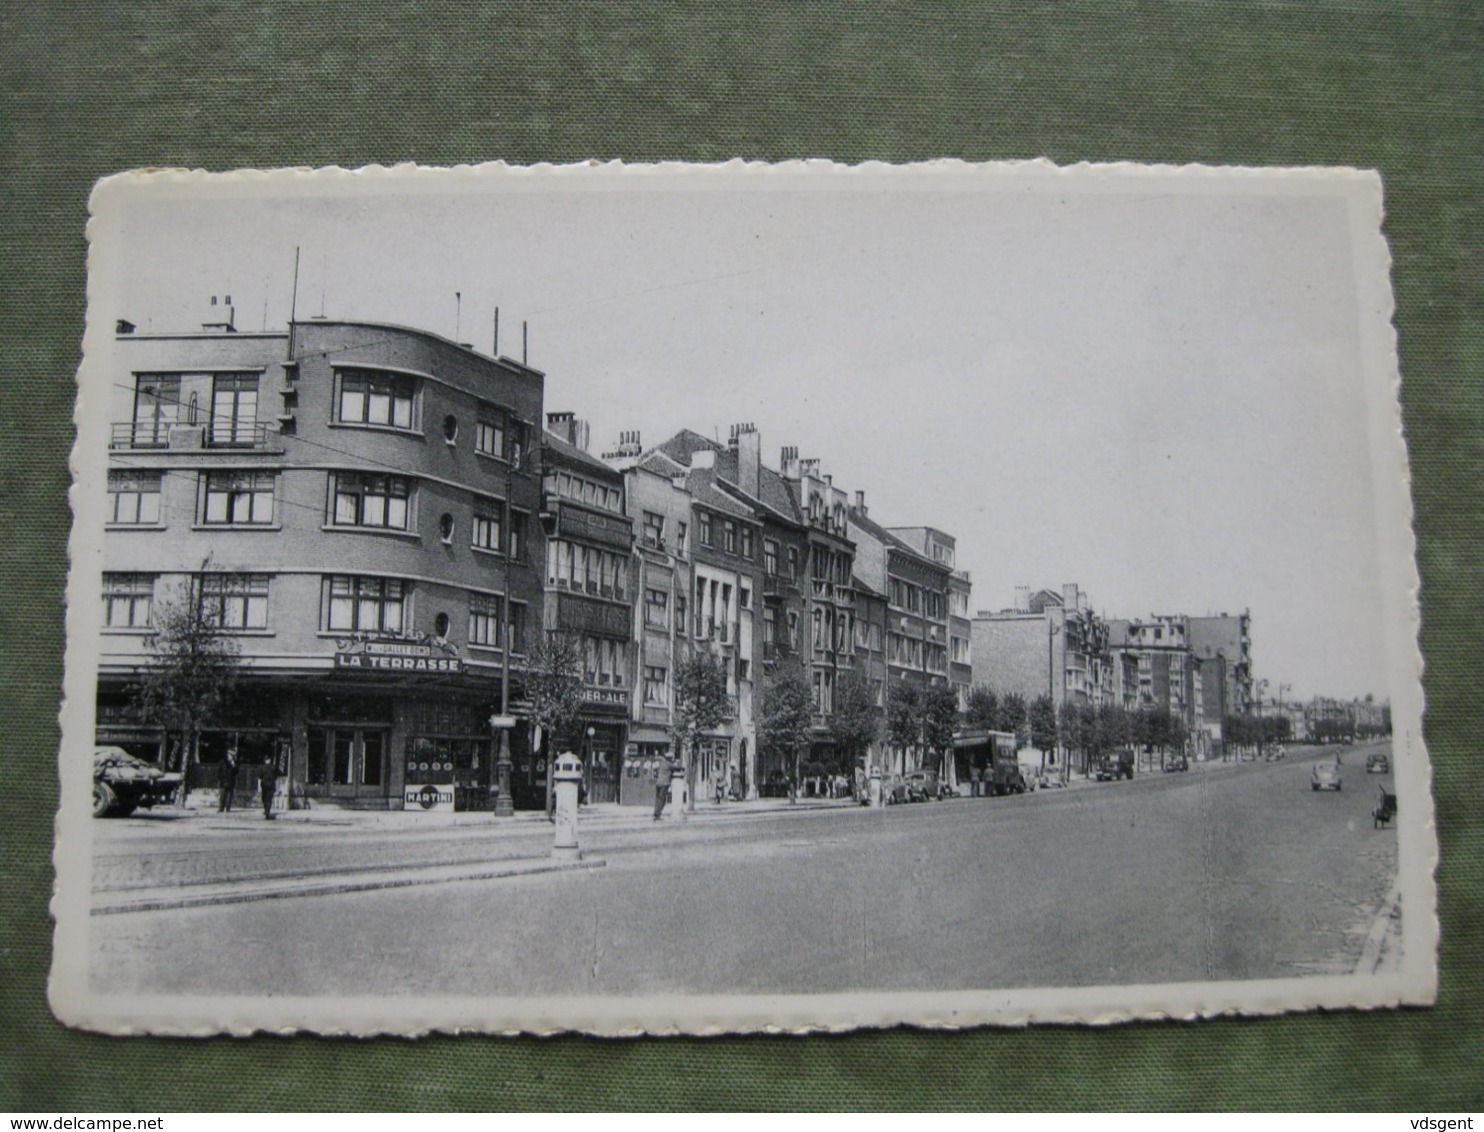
x,y
354,503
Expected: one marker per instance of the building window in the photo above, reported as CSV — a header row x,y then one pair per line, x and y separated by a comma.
x,y
371,398
363,500
517,627
127,599
824,691
747,543
703,522
156,408
518,535
680,529
770,625
744,597
234,410
484,620
729,536
134,498
365,605
234,601
654,531
770,557
489,519
489,432
238,498
793,563
654,686
656,609
680,613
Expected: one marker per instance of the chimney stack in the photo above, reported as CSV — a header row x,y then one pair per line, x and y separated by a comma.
x,y
860,503
569,428
788,463
747,442
222,316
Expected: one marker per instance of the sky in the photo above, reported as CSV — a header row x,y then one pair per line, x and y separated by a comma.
x,y
1150,386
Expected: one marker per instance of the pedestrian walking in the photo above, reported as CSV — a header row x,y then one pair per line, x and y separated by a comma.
x,y
721,789
227,781
662,779
268,785
974,782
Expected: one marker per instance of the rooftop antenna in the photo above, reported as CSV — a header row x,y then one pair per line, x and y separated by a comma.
x,y
524,342
496,352
458,310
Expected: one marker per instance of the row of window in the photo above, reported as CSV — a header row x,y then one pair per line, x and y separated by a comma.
x,y
728,535
908,651
239,602
917,599
582,490
587,569
234,498
362,397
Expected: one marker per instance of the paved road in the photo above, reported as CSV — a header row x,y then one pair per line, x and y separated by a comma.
x,y
1228,872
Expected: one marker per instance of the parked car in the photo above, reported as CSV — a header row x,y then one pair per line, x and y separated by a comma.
x,y
1176,761
1115,764
922,786
1325,776
123,783
894,790
1377,764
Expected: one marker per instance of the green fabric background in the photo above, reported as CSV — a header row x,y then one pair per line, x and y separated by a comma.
x,y
91,89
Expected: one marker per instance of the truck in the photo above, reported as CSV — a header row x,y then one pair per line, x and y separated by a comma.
x,y
1114,765
1005,775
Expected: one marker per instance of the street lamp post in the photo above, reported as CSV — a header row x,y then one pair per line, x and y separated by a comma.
x,y
504,723
1052,629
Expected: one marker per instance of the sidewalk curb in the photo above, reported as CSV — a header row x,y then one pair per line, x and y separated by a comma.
x,y
1374,950
249,891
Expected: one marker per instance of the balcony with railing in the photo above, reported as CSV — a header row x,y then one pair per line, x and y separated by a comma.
x,y
170,437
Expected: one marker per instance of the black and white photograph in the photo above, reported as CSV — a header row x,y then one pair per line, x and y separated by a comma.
x,y
732,598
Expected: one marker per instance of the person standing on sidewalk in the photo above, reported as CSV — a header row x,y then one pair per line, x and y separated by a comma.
x,y
267,785
663,775
227,782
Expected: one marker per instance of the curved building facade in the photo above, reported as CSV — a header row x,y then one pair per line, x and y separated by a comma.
x,y
354,504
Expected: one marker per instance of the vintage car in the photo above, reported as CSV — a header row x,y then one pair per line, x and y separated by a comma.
x,y
1176,761
123,783
1113,765
1377,764
1325,776
922,786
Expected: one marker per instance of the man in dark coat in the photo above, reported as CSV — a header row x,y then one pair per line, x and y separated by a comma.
x,y
267,784
227,782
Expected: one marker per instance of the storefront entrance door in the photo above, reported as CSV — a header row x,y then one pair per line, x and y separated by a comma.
x,y
602,771
346,762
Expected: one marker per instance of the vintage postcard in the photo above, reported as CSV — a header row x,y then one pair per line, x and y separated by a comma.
x,y
739,598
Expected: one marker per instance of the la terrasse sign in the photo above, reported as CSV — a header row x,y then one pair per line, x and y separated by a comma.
x,y
418,653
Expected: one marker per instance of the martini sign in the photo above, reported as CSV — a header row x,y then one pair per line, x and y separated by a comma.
x,y
429,798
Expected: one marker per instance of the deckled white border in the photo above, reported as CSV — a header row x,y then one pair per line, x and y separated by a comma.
x,y
1414,984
